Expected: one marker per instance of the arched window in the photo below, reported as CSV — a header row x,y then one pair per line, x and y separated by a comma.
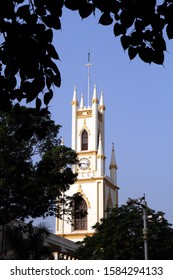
x,y
81,223
84,142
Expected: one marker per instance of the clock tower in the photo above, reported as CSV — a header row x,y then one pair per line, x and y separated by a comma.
x,y
99,191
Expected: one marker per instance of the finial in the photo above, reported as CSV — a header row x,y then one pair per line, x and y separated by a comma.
x,y
102,106
82,101
113,146
74,101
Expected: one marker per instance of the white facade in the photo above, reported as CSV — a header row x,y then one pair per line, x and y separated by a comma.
x,y
99,191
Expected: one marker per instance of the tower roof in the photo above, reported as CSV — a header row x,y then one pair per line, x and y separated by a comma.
x,y
95,99
113,164
75,101
101,105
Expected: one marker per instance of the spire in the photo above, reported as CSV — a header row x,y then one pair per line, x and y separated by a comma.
x,y
113,166
101,105
74,101
113,161
95,99
82,101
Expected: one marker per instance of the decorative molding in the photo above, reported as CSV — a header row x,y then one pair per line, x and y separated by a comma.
x,y
84,127
113,166
84,113
80,190
74,102
95,100
102,108
101,156
87,153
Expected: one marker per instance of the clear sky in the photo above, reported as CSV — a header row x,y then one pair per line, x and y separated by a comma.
x,y
139,107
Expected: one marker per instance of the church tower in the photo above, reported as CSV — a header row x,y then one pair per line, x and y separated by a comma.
x,y
99,191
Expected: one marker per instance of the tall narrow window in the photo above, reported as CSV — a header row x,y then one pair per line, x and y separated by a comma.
x,y
84,144
81,223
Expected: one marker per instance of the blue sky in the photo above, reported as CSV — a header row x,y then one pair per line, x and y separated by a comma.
x,y
139,107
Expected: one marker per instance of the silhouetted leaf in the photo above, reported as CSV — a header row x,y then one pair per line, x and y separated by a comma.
x,y
23,12
85,10
72,4
48,20
52,52
146,54
127,18
158,57
49,35
106,19
169,30
47,97
136,38
125,41
119,29
57,80
132,52
38,84
148,35
56,22
159,43
139,25
38,103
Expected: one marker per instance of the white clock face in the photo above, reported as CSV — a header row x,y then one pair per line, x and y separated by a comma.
x,y
84,163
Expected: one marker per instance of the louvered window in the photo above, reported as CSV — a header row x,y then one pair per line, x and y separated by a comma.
x,y
84,144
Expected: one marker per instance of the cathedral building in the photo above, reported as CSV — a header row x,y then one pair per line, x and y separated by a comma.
x,y
99,191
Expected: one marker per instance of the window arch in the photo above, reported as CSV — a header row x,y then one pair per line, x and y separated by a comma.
x,y
84,140
81,223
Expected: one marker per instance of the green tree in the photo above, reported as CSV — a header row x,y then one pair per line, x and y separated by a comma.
x,y
120,237
29,188
27,55
28,242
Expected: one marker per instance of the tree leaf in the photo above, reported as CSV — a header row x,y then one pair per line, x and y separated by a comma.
x,y
146,54
85,10
106,19
158,57
169,30
72,4
119,29
125,41
132,52
159,43
57,80
52,52
38,103
23,12
47,97
49,35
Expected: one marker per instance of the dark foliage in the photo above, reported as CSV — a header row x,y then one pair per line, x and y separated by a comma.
x,y
27,55
120,237
28,242
30,188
